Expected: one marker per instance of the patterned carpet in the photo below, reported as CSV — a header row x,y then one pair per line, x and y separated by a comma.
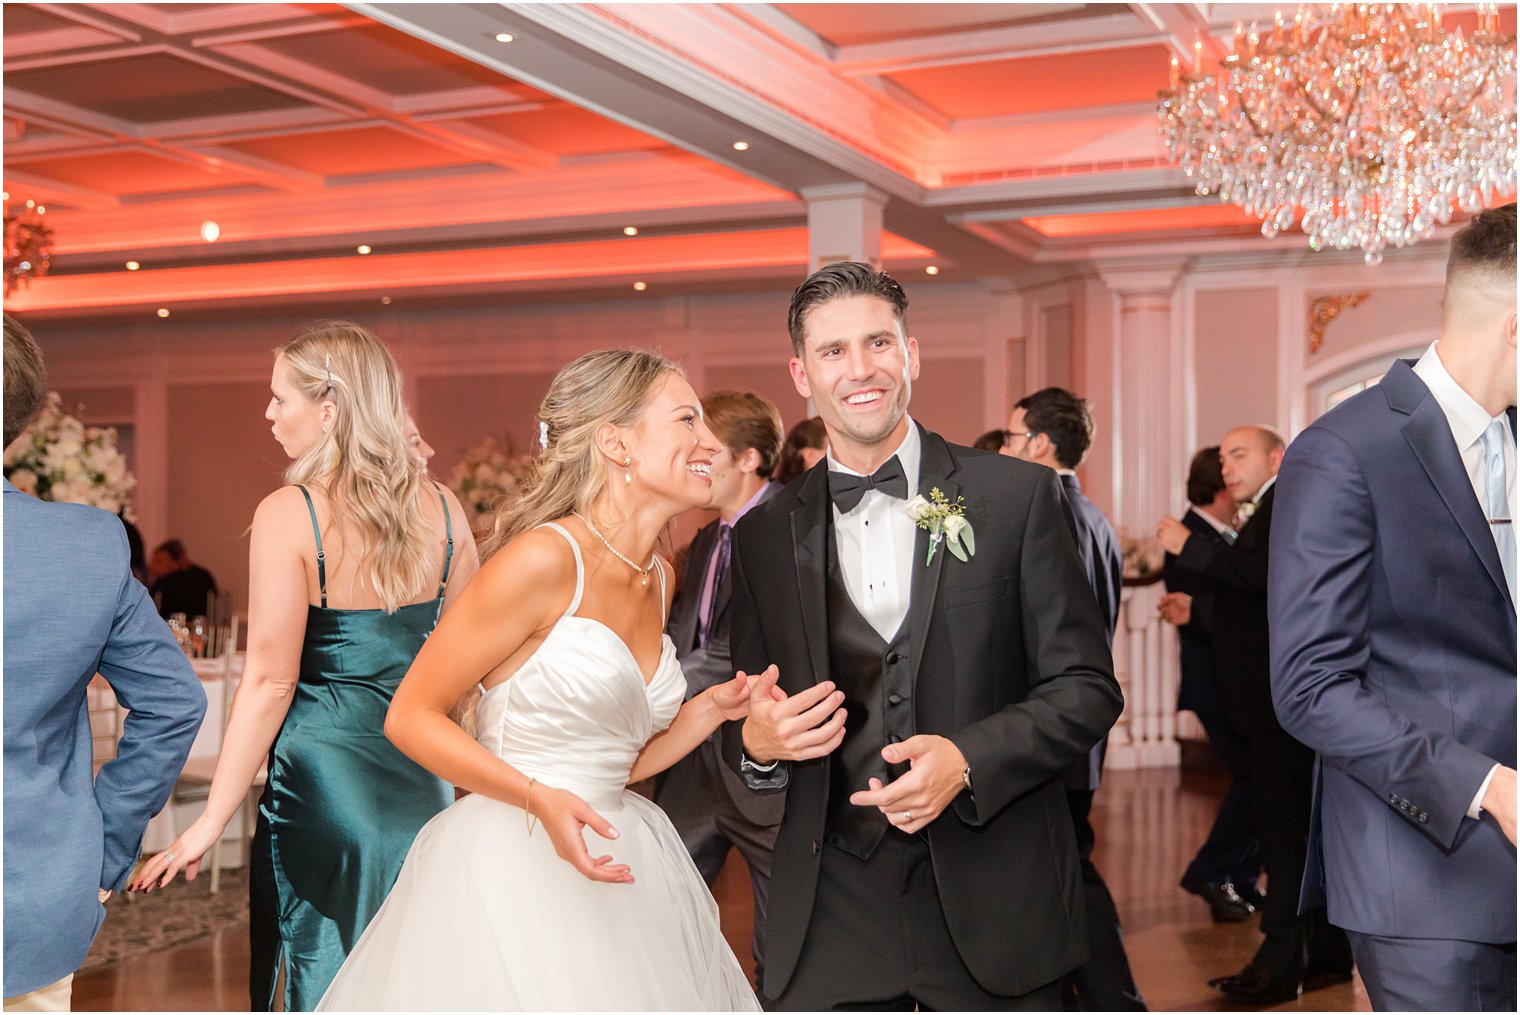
x,y
170,916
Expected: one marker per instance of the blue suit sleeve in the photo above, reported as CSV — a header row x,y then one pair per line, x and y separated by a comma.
x,y
1323,543
154,681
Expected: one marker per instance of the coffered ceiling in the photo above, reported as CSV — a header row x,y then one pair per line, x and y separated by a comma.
x,y
504,148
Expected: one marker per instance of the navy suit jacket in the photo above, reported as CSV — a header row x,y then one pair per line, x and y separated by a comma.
x,y
72,609
1098,546
1393,649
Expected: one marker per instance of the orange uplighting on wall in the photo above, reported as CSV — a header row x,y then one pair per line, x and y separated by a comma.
x,y
1149,220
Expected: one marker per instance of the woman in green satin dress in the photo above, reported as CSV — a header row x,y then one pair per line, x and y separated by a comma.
x,y
350,567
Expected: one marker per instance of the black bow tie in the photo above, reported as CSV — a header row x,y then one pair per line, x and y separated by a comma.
x,y
846,488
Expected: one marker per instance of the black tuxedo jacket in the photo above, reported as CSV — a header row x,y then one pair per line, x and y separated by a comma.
x,y
1010,661
1242,656
709,665
1195,639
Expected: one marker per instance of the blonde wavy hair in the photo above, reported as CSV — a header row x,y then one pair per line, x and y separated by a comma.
x,y
373,483
609,386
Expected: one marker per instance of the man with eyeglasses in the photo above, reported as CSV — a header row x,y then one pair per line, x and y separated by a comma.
x,y
1054,428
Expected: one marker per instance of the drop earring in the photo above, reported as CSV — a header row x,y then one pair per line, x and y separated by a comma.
x,y
627,470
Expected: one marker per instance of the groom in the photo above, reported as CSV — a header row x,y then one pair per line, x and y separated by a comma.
x,y
927,705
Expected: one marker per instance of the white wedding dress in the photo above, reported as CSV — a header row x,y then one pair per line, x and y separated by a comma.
x,y
485,916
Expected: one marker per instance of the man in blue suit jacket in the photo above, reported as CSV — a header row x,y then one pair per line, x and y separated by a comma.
x,y
1054,428
72,609
1392,598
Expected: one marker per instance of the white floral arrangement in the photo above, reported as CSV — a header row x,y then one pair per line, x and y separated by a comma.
x,y
60,459
487,475
1143,555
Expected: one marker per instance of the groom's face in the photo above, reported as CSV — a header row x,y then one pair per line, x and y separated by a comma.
x,y
858,367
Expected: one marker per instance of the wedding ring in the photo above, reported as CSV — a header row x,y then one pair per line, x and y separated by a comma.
x,y
169,857
907,816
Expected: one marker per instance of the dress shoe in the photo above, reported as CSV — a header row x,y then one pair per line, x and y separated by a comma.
x,y
1224,902
1257,987
1252,894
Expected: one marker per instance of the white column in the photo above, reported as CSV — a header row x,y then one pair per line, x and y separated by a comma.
x,y
844,224
150,435
1148,477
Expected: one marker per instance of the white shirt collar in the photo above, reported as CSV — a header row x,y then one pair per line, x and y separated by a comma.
x,y
1219,526
909,452
1465,416
1264,488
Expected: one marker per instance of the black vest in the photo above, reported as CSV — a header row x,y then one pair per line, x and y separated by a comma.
x,y
873,674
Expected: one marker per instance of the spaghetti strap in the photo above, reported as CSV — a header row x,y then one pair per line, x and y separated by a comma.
x,y
659,565
448,553
321,556
580,567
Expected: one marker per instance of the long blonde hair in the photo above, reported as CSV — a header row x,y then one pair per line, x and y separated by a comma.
x,y
373,483
609,386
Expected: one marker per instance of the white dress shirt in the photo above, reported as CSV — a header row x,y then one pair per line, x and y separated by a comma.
x,y
1468,420
1218,526
875,544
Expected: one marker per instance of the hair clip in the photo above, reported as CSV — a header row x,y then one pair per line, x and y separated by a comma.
x,y
327,365
543,433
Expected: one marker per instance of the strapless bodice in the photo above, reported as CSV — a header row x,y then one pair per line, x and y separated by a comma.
x,y
578,712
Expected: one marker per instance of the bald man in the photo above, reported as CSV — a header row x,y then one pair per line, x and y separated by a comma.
x,y
1296,952
1393,642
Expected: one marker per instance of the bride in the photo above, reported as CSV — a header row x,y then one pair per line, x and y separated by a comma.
x,y
552,886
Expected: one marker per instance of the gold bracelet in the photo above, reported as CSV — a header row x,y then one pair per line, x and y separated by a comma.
x,y
527,805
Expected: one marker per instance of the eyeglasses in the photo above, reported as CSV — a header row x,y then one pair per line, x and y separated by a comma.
x,y
1027,435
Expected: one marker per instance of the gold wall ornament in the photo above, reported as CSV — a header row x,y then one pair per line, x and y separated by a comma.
x,y
28,246
1323,310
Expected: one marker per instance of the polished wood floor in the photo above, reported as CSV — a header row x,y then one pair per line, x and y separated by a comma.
x,y
1148,825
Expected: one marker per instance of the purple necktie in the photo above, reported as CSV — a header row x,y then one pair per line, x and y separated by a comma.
x,y
715,576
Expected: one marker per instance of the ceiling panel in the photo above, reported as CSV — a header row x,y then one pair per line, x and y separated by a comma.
x,y
854,24
1041,83
150,88
1208,216
568,130
387,60
360,150
129,173
23,19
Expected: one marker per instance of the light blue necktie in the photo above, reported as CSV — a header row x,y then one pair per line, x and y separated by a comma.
x,y
1496,485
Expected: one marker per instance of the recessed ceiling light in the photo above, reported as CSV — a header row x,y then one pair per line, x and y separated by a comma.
x,y
210,231
386,300
133,266
163,311
640,286
5,195
741,146
41,210
630,230
30,203
932,269
363,248
504,36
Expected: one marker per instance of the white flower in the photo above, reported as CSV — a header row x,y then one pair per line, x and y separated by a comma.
x,y
954,525
24,480
917,508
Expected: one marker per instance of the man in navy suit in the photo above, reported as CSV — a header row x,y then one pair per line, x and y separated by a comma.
x,y
72,609
1223,872
1393,644
1054,428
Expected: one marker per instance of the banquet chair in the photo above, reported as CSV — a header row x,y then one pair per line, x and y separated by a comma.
x,y
105,714
195,778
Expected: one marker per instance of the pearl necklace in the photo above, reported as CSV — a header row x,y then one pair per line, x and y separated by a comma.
x,y
643,571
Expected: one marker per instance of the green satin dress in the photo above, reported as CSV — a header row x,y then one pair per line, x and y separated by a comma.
x,y
342,805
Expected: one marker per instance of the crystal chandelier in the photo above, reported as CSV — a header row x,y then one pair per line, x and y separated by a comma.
x,y
1370,120
28,245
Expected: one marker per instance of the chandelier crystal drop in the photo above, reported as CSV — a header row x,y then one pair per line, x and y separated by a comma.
x,y
1371,121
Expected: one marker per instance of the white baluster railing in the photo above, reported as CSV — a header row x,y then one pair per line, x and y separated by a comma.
x,y
1145,662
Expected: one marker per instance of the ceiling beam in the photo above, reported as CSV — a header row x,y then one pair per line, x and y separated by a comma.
x,y
949,49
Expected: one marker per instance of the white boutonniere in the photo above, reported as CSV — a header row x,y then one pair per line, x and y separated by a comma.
x,y
1243,514
945,521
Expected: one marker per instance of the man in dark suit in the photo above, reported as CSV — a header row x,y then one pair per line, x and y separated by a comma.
x,y
706,800
1295,951
1054,428
1223,873
180,586
1393,643
932,688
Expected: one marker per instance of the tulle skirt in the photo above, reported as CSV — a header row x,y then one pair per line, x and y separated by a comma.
x,y
486,917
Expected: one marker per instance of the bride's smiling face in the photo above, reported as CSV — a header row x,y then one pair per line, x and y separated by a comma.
x,y
671,445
